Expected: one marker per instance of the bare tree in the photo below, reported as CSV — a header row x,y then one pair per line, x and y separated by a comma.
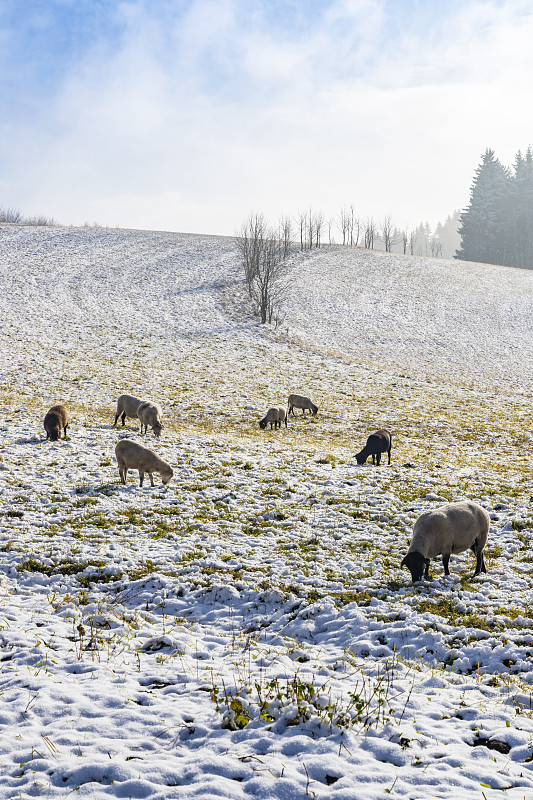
x,y
285,235
10,215
349,226
344,224
13,215
354,228
264,254
389,233
310,229
317,226
369,233
329,223
301,221
404,240
250,243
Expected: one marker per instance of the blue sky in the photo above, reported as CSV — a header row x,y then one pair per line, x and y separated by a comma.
x,y
187,114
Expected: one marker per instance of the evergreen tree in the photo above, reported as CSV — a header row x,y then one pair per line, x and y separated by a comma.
x,y
521,211
485,222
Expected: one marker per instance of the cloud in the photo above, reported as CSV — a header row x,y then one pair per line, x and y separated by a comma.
x,y
186,115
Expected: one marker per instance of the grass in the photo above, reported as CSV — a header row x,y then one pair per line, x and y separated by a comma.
x,y
314,529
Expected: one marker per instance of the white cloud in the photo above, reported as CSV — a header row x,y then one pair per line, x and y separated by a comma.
x,y
192,121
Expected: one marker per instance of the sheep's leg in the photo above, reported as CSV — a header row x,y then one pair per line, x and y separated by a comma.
x,y
480,564
426,571
65,431
116,418
141,477
445,562
151,478
123,418
378,458
388,451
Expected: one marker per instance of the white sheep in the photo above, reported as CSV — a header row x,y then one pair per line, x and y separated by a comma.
x,y
299,401
131,455
275,416
150,414
451,528
127,405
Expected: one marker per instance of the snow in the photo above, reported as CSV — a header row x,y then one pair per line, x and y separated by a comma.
x,y
247,632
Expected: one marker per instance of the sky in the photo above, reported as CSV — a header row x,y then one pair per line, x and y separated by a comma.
x,y
187,115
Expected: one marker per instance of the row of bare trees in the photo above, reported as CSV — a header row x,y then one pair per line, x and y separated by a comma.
x,y
265,250
312,228
14,216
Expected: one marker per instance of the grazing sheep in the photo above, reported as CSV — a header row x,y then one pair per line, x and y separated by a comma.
x,y
451,528
131,455
55,420
275,416
127,405
150,415
377,443
298,401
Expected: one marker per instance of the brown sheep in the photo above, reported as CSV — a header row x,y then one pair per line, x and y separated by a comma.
x,y
56,420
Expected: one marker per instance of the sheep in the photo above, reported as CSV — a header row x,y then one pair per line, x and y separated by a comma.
x,y
451,528
298,401
131,455
150,415
377,443
275,416
56,419
127,405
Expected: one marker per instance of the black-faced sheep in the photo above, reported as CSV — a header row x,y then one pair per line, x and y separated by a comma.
x,y
56,420
451,528
377,443
127,406
131,455
275,416
298,401
149,414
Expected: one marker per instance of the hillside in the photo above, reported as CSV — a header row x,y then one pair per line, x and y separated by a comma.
x,y
143,628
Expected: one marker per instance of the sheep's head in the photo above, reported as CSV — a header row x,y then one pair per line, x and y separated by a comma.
x,y
54,434
262,424
314,408
166,476
361,457
416,564
157,428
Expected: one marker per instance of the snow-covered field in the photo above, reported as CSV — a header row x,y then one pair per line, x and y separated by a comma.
x,y
247,632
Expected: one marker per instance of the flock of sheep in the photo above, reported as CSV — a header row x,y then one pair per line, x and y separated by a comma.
x,y
449,529
130,454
